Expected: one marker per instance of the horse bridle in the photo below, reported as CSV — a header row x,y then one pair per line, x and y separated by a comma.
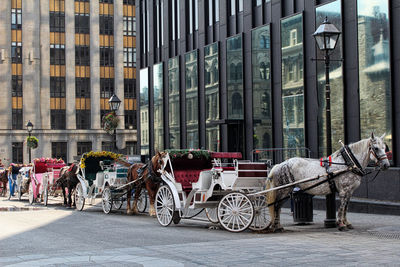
x,y
373,150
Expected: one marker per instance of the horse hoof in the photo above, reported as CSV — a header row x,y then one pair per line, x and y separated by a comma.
x,y
130,212
350,227
342,228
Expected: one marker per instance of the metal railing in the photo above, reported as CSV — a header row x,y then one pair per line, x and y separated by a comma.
x,y
277,155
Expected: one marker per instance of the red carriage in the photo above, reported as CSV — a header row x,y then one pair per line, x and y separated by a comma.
x,y
43,179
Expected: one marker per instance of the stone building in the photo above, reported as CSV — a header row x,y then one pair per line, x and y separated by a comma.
x,y
60,62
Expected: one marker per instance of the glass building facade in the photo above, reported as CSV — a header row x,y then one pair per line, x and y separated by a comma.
x,y
239,75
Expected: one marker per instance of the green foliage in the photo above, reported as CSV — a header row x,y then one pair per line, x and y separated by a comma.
x,y
110,122
32,142
189,153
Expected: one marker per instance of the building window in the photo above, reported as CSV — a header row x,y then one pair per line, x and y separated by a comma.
x,y
129,26
106,56
17,119
107,1
82,56
131,148
129,2
130,119
82,119
59,150
106,25
17,152
16,52
16,85
57,55
82,87
16,18
83,147
82,23
107,146
129,57
106,87
57,117
129,88
57,22
57,86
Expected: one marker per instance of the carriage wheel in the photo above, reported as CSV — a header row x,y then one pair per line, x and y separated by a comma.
x,y
212,215
164,205
20,192
46,195
261,215
106,200
79,197
117,204
142,201
235,212
31,195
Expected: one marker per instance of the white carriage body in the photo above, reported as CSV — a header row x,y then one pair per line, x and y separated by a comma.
x,y
204,188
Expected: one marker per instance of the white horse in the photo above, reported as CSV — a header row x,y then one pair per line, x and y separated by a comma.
x,y
295,169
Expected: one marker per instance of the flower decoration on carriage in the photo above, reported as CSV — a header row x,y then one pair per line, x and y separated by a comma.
x,y
32,142
110,122
92,154
189,153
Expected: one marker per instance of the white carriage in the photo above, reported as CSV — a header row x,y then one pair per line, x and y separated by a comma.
x,y
199,179
100,175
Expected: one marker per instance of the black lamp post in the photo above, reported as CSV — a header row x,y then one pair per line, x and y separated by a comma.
x,y
29,127
114,103
326,37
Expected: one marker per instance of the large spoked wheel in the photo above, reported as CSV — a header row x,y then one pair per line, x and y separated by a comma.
x,y
235,212
106,200
261,215
46,195
142,201
164,205
212,215
117,203
31,195
79,197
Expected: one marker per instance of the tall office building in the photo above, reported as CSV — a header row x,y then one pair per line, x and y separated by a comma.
x,y
60,62
237,75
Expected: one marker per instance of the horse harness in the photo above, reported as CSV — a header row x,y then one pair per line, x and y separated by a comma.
x,y
150,173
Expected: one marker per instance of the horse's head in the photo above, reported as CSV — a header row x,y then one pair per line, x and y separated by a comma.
x,y
376,150
159,160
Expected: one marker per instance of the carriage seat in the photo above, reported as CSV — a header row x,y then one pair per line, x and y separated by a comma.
x,y
40,167
90,177
252,169
187,177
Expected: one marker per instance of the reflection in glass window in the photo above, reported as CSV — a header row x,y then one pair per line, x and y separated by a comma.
x,y
158,107
374,69
174,103
192,122
262,111
211,74
235,77
292,83
333,12
144,111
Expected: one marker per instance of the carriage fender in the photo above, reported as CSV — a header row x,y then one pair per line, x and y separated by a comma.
x,y
173,190
82,181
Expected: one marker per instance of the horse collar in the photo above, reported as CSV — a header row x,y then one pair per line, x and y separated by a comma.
x,y
351,161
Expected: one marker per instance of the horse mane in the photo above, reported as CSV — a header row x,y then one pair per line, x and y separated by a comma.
x,y
356,147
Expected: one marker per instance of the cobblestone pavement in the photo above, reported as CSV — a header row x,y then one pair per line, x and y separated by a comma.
x,y
56,236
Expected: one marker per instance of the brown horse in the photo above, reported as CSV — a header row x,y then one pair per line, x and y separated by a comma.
x,y
145,175
68,179
4,181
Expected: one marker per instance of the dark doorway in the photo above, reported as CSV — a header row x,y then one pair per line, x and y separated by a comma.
x,y
235,136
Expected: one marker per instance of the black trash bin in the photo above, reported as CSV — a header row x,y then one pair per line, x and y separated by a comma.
x,y
302,207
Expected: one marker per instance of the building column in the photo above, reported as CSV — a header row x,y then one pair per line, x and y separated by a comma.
x,y
94,65
44,37
5,82
70,64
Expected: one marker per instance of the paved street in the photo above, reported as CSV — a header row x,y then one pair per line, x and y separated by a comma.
x,y
57,236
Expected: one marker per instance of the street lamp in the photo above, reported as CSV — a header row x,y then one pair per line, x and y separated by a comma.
x,y
326,37
114,103
29,128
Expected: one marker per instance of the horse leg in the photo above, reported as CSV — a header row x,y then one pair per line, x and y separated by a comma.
x,y
152,190
64,194
135,199
69,195
346,222
341,213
